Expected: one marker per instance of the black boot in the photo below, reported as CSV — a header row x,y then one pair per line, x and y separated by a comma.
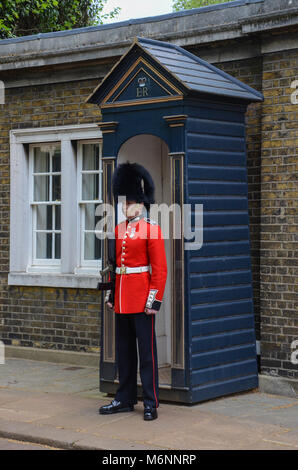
x,y
115,407
150,413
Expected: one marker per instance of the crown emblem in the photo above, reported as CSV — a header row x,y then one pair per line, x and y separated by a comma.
x,y
142,81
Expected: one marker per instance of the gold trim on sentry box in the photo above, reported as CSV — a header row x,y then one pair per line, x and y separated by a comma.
x,y
135,41
177,359
141,101
176,117
155,59
128,72
109,354
107,127
147,73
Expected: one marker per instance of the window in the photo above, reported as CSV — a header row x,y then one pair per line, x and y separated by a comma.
x,y
90,195
56,185
45,201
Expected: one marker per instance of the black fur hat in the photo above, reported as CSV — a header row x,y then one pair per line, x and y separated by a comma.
x,y
135,182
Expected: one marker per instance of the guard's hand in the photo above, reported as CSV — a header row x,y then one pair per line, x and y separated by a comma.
x,y
150,311
110,305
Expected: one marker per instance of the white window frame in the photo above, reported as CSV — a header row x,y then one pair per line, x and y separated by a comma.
x,y
90,266
20,262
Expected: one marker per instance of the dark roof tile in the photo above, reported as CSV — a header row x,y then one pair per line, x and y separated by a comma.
x,y
196,73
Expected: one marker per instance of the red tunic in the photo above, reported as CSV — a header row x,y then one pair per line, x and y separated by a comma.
x,y
140,242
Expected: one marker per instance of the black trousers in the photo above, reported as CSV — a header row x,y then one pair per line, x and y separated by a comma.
x,y
130,328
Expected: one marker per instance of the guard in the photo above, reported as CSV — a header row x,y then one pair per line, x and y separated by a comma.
x,y
138,292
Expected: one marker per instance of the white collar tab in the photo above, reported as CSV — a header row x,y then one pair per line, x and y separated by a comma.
x,y
137,217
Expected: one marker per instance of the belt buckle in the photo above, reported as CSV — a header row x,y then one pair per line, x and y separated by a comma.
x,y
122,269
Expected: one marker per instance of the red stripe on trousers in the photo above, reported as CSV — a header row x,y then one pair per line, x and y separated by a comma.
x,y
153,363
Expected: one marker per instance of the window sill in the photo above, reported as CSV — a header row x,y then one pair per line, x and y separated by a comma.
x,y
82,281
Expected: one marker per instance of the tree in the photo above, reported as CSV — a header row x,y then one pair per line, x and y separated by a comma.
x,y
189,4
25,17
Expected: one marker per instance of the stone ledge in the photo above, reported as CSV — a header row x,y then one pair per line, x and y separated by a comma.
x,y
69,281
53,355
278,386
66,439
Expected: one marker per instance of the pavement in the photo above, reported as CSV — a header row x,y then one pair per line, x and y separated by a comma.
x,y
13,444
56,406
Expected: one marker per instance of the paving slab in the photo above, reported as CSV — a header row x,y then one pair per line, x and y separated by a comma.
x,y
47,377
261,407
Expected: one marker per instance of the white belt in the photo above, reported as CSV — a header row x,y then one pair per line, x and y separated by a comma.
x,y
129,270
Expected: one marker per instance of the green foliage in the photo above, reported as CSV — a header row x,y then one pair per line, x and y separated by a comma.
x,y
25,17
189,4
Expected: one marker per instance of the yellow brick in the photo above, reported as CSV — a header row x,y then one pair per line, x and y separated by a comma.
x,y
272,143
268,75
271,92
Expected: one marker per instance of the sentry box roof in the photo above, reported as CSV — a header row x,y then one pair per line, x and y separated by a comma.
x,y
173,73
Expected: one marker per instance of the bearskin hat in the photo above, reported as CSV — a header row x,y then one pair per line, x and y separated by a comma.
x,y
135,182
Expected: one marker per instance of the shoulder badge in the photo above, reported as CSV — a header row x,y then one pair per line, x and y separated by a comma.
x,y
150,221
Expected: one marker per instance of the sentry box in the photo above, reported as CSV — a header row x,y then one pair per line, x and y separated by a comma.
x,y
184,120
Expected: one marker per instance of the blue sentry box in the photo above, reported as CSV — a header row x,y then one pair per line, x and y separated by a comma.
x,y
158,93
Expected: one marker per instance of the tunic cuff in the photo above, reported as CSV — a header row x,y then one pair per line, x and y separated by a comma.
x,y
152,302
156,305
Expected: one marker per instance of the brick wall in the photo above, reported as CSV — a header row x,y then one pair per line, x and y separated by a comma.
x,y
278,266
271,157
42,316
